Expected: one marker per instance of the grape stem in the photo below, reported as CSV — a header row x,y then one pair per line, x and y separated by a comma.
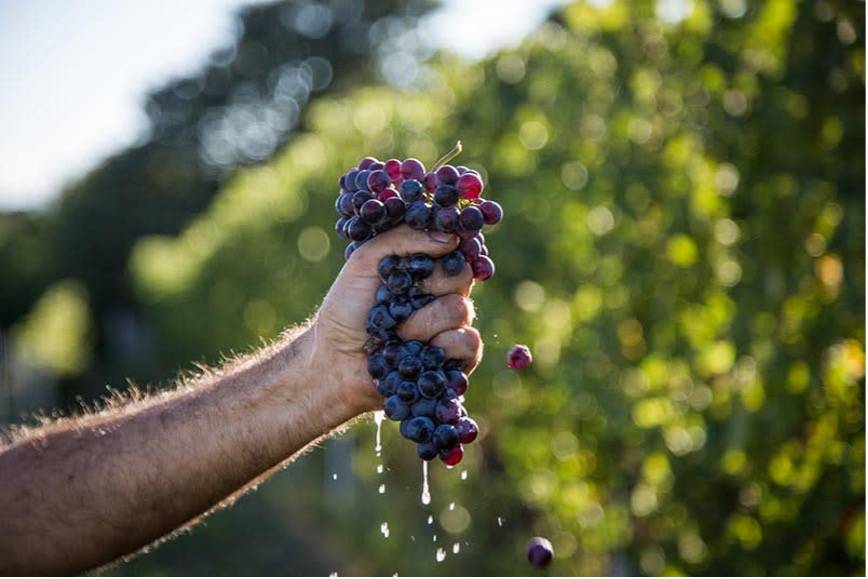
x,y
453,152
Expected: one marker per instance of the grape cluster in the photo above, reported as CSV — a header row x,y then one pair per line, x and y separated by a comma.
x,y
421,388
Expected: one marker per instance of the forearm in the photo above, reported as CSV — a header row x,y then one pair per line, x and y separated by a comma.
x,y
89,491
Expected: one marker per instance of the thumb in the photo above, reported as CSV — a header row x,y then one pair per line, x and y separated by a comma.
x,y
405,241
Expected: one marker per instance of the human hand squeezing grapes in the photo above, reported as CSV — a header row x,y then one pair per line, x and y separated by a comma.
x,y
339,330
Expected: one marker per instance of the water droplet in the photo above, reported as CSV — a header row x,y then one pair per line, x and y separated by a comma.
x,y
499,521
379,416
379,469
463,475
333,574
413,538
440,556
426,492
383,489
334,476
430,519
452,506
455,548
384,528
433,538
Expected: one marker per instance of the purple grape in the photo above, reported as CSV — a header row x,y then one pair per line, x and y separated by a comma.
x,y
424,407
411,191
432,357
358,230
400,309
457,381
418,215
430,182
519,357
366,162
471,218
431,383
420,266
492,212
445,437
395,209
446,219
540,552
388,385
427,451
412,169
378,181
470,248
350,249
341,228
452,457
447,412
409,367
377,366
387,265
420,429
467,429
469,186
483,268
393,168
362,180
446,195
447,175
396,409
408,392
399,282
453,263
360,198
372,212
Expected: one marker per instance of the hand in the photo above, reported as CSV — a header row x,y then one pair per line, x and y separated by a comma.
x,y
339,330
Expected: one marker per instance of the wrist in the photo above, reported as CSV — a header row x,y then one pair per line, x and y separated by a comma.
x,y
322,377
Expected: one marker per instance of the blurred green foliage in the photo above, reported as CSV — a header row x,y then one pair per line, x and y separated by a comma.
x,y
683,250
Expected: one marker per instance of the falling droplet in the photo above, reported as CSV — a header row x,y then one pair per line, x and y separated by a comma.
x,y
379,416
463,475
383,489
441,555
452,506
413,538
499,521
426,492
379,469
384,528
430,519
334,476
455,548
434,538
333,574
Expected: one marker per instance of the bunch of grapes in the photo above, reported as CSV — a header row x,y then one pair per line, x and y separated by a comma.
x,y
421,388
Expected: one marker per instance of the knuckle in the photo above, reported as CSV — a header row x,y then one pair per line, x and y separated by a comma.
x,y
460,306
473,340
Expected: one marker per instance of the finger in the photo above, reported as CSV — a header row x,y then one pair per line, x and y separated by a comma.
x,y
404,241
440,284
444,313
463,344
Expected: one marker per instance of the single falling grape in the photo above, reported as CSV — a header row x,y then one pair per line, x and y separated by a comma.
x,y
519,357
540,552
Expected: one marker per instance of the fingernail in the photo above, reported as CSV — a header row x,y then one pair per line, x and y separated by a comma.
x,y
439,236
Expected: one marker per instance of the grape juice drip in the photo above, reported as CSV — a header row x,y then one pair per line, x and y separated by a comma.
x,y
421,388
